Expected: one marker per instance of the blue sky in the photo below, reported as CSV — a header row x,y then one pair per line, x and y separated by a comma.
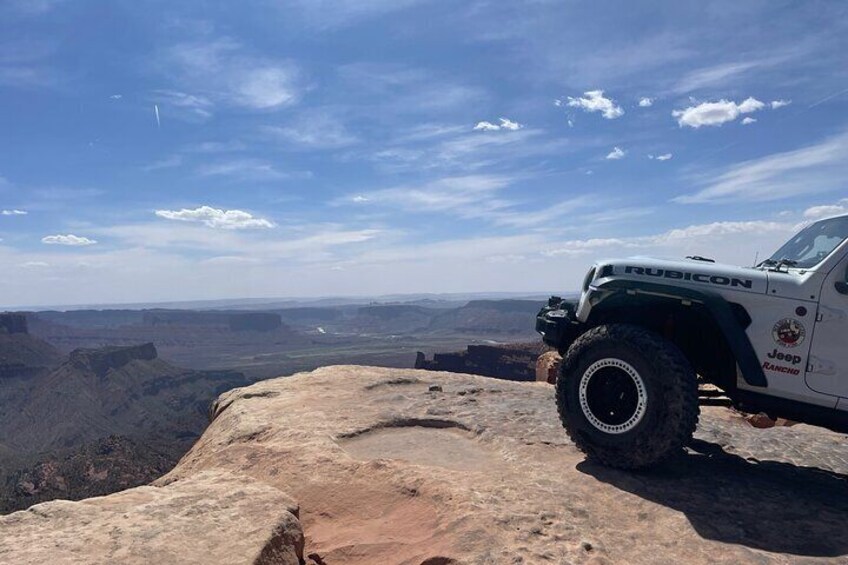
x,y
155,151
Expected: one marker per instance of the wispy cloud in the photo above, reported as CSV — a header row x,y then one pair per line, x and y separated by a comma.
x,y
646,102
13,212
314,130
775,104
223,71
25,64
466,195
244,169
715,113
714,75
401,90
462,150
184,105
33,7
166,163
69,239
815,168
340,13
216,218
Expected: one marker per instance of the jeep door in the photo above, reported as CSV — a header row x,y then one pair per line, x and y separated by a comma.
x,y
827,367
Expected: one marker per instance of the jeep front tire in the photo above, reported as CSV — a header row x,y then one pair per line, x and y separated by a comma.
x,y
627,397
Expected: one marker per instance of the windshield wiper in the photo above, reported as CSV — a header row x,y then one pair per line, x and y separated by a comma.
x,y
778,264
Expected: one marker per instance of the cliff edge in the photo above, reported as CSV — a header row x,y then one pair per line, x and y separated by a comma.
x,y
362,465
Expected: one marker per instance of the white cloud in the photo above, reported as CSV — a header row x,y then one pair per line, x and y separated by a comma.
x,y
13,212
816,168
594,101
748,120
583,246
486,126
68,239
663,157
616,153
700,235
506,124
216,218
646,102
775,104
818,212
116,96
35,264
715,113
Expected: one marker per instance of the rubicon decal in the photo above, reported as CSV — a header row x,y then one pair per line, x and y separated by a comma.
x,y
781,369
789,332
720,280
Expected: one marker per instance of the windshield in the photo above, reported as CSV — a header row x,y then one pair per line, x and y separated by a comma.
x,y
812,244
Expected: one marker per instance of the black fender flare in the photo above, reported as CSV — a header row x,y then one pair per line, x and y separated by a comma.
x,y
716,305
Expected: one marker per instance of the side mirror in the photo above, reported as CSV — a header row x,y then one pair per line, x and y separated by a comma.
x,y
841,287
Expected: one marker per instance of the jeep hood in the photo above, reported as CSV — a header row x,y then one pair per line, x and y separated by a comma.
x,y
685,272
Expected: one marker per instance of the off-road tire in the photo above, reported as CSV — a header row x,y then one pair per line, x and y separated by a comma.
x,y
668,396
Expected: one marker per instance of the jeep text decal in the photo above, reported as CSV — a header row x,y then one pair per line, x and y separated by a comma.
x,y
780,356
684,276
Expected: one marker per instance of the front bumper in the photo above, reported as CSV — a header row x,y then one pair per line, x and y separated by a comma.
x,y
557,323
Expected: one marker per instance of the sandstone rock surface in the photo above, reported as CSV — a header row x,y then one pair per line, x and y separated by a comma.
x,y
385,471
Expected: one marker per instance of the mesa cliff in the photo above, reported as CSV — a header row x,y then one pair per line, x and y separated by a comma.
x,y
362,465
96,421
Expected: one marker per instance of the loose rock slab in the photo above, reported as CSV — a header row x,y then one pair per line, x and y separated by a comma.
x,y
212,517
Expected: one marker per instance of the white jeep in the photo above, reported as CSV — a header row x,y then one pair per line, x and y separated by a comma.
x,y
773,337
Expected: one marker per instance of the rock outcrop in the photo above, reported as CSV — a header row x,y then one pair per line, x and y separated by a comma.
x,y
104,359
22,354
13,323
396,466
512,361
547,367
55,423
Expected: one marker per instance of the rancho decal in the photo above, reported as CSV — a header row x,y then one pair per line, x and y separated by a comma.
x,y
781,369
789,332
719,280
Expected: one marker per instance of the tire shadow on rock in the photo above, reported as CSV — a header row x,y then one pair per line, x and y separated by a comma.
x,y
766,505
